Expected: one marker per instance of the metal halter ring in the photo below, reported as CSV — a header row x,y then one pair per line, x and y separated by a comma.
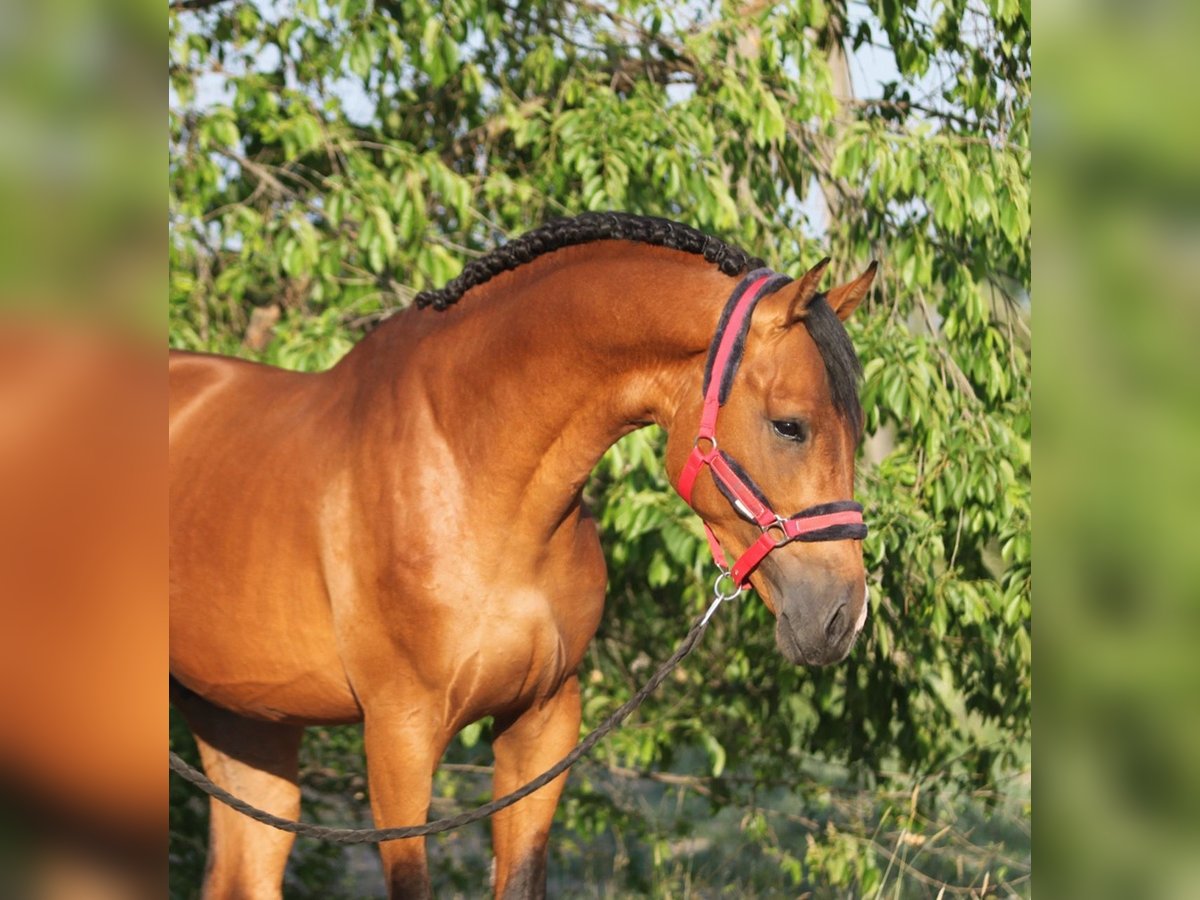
x,y
723,595
777,530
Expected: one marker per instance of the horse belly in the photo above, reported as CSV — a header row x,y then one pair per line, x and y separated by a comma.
x,y
251,628
273,659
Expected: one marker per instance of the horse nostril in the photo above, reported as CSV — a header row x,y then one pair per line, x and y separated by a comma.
x,y
836,626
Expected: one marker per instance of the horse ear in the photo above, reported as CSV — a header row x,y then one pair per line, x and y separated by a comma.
x,y
844,298
805,290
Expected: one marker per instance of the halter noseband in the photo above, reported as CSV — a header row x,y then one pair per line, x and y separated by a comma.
x,y
839,520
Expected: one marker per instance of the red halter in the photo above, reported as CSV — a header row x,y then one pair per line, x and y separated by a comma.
x,y
840,520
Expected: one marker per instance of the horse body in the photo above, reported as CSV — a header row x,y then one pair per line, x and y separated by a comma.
x,y
401,539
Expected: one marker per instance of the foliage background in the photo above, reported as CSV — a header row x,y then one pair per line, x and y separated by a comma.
x,y
327,160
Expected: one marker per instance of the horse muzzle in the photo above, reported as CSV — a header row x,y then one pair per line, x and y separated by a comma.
x,y
819,619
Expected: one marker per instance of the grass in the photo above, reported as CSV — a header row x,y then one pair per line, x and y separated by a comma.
x,y
619,833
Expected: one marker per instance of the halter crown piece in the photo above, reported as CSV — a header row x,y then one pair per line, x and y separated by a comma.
x,y
839,520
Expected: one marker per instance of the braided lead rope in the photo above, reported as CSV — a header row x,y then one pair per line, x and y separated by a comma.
x,y
379,835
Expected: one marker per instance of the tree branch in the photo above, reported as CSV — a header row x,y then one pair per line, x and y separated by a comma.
x,y
193,5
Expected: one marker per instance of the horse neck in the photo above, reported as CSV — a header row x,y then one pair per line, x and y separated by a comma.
x,y
543,368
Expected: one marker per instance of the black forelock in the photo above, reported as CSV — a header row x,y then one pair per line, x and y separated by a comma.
x,y
841,362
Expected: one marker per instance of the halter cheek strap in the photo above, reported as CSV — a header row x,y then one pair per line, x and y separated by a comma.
x,y
839,520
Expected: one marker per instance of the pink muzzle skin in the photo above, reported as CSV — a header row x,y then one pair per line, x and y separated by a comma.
x,y
839,520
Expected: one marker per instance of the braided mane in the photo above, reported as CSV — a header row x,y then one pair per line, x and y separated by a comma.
x,y
584,229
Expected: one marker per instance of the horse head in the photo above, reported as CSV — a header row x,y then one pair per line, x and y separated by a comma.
x,y
789,425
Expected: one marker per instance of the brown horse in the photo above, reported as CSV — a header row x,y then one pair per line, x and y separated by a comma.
x,y
401,540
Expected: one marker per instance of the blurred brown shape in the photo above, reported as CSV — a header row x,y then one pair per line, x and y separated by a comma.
x,y
83,577
261,327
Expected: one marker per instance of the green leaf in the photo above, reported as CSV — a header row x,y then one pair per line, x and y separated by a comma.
x,y
716,754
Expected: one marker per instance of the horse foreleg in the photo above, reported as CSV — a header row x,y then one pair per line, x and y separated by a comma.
x,y
256,761
402,753
524,748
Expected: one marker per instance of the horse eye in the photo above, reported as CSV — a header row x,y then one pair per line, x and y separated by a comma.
x,y
790,429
